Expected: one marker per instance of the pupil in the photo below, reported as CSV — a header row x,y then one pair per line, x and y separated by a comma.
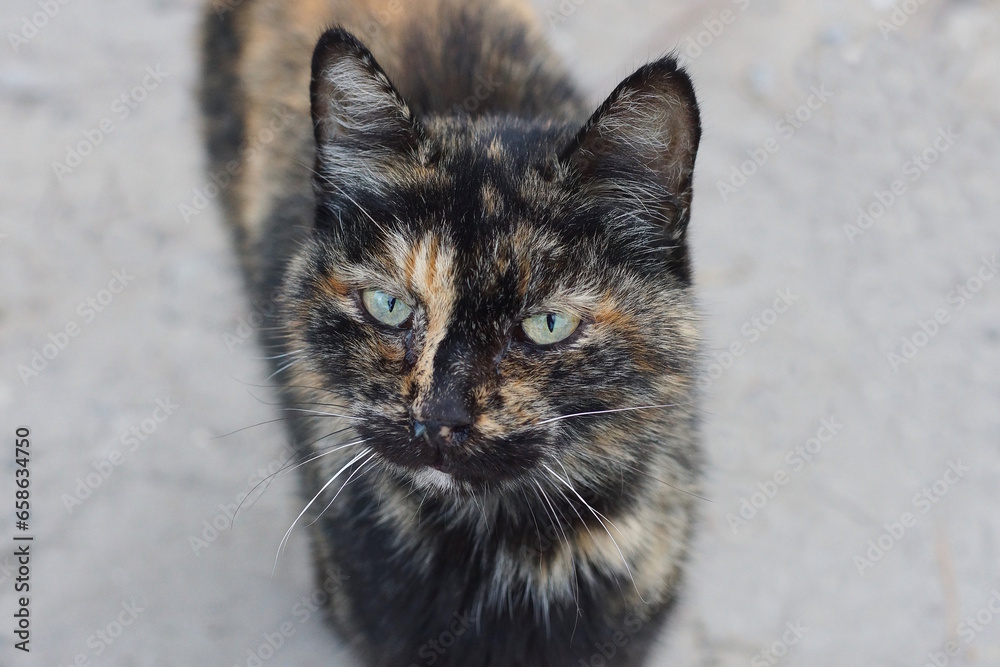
x,y
392,303
550,321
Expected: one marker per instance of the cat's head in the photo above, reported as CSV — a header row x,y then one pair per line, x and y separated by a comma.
x,y
474,284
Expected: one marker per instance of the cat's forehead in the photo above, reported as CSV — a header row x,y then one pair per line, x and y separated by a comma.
x,y
503,141
484,193
494,166
433,261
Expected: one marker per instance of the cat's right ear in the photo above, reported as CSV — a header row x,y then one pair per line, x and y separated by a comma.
x,y
358,115
639,148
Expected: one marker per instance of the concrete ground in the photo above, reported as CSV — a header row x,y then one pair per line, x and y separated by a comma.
x,y
845,237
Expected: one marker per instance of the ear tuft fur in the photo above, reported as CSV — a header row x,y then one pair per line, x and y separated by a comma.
x,y
353,100
642,142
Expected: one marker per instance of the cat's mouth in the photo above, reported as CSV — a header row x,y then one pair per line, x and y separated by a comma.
x,y
457,461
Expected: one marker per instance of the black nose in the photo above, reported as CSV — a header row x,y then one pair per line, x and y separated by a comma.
x,y
442,420
439,434
447,409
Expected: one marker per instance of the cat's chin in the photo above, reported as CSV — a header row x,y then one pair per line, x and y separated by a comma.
x,y
434,479
441,480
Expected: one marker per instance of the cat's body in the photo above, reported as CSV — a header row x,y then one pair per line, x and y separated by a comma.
x,y
460,215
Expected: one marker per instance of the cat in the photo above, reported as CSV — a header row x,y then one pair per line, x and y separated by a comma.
x,y
485,333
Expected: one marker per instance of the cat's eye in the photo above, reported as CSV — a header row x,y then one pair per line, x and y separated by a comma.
x,y
549,328
386,308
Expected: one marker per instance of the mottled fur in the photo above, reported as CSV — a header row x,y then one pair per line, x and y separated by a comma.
x,y
437,151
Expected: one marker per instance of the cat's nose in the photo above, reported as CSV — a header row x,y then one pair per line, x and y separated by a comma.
x,y
442,423
440,435
442,418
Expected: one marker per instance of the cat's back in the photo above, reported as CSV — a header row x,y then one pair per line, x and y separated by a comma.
x,y
445,57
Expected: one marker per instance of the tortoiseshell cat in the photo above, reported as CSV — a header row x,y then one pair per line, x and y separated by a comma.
x,y
483,302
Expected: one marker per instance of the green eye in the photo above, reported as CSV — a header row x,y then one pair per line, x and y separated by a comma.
x,y
549,328
386,308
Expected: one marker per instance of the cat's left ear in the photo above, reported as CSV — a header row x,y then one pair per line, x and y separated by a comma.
x,y
646,133
359,117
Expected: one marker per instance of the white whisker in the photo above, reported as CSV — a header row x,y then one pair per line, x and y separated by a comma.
x,y
285,468
602,412
625,466
358,470
291,363
598,516
559,524
322,454
284,539
325,414
280,356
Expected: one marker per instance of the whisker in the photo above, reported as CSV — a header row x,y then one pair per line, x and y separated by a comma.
x,y
359,469
559,524
538,532
596,513
285,367
246,428
282,403
555,521
324,390
314,457
420,505
598,516
639,471
279,356
602,412
576,573
482,509
325,414
316,413
285,468
343,193
305,509
573,507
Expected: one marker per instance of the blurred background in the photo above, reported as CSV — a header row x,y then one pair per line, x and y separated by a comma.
x,y
845,235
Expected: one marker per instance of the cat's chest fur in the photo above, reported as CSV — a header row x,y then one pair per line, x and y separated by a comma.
x,y
453,579
483,331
